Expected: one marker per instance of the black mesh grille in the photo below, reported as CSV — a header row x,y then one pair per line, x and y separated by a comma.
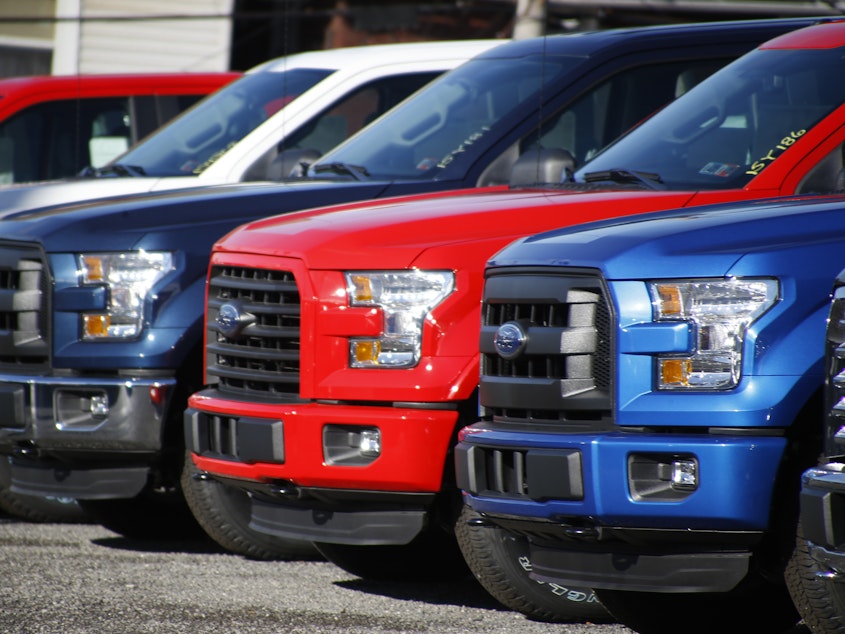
x,y
258,356
24,307
563,375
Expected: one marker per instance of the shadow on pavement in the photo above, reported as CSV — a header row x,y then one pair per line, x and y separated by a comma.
x,y
466,593
196,546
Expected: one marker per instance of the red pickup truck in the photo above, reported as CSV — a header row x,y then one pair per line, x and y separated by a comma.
x,y
342,343
52,127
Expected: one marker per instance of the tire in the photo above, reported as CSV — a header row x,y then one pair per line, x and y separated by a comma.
x,y
499,561
224,513
754,606
34,508
42,510
820,601
433,555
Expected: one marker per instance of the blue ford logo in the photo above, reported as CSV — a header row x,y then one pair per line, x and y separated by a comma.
x,y
510,340
232,319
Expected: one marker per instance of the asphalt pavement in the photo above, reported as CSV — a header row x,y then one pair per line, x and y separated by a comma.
x,y
85,579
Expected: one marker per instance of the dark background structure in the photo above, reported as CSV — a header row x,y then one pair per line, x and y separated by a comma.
x,y
258,30
269,28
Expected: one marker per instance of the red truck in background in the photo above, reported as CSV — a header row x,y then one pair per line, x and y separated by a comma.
x,y
52,127
342,343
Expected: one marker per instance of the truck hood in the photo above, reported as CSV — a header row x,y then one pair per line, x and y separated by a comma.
x,y
404,228
713,240
15,198
25,197
122,222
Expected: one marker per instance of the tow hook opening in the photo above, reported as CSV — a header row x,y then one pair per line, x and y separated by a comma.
x,y
286,490
26,449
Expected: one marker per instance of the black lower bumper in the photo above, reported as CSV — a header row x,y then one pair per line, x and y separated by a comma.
x,y
44,480
677,572
363,528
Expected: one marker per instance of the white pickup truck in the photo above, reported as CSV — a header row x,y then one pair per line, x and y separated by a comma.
x,y
311,101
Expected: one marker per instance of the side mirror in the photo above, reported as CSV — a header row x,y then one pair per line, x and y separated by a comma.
x,y
542,165
291,164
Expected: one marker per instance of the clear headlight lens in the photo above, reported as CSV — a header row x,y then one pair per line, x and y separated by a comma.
x,y
129,278
720,312
406,298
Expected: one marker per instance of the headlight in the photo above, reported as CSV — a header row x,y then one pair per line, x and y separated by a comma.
x,y
719,311
129,278
405,297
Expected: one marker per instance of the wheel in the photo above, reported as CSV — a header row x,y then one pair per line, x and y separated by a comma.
x,y
499,560
34,508
152,514
754,606
433,555
820,600
224,513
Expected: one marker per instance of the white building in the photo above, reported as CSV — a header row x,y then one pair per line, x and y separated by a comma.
x,y
102,36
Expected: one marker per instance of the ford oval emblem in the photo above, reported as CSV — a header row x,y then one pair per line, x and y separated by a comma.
x,y
510,340
232,319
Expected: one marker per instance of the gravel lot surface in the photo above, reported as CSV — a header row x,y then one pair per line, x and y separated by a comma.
x,y
84,579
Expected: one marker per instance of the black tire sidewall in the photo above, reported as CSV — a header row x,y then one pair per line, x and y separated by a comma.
x,y
224,513
500,562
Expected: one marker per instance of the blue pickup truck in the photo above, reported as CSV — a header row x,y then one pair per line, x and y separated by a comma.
x,y
652,393
104,301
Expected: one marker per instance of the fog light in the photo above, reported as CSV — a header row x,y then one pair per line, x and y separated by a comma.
x,y
99,406
370,442
684,474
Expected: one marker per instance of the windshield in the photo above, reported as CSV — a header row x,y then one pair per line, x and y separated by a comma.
x,y
731,126
205,132
423,136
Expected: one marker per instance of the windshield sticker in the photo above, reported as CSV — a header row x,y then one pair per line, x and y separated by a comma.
x,y
199,169
723,170
758,165
472,138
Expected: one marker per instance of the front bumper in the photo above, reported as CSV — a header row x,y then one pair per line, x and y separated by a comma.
x,y
81,438
605,510
625,479
823,514
310,479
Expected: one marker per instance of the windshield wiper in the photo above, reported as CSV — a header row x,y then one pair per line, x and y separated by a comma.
x,y
358,172
118,169
649,180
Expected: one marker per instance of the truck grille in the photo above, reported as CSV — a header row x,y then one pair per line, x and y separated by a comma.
x,y
253,322
835,385
562,378
24,308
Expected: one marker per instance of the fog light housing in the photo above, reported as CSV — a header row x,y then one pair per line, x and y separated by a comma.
x,y
662,477
351,445
80,408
